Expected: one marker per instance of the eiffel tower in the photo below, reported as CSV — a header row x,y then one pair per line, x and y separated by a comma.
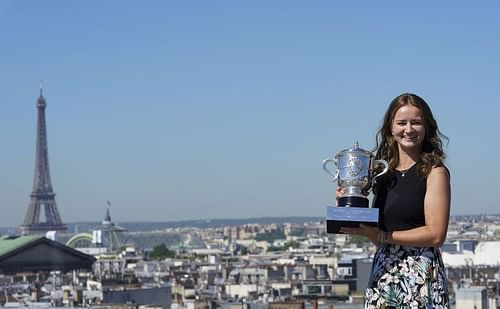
x,y
43,196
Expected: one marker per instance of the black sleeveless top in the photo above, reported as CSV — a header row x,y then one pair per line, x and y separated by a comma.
x,y
401,200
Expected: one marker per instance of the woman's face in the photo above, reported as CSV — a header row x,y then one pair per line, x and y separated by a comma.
x,y
408,128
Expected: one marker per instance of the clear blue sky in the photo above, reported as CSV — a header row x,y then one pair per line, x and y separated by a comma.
x,y
179,110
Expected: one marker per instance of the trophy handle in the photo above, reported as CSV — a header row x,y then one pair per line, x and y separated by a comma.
x,y
386,168
325,168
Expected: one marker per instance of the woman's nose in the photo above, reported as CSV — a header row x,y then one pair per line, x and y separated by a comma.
x,y
409,128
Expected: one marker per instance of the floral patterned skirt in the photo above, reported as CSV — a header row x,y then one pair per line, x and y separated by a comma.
x,y
407,277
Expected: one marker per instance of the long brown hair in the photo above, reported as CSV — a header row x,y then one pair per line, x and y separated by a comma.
x,y
432,153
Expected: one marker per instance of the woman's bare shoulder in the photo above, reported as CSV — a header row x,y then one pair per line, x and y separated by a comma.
x,y
439,171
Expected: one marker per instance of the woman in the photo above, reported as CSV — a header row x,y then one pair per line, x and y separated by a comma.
x,y
414,203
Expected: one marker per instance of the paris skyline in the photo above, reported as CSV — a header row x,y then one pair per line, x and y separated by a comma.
x,y
176,111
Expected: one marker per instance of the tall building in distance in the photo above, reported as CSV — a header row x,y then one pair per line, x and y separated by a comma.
x,y
42,203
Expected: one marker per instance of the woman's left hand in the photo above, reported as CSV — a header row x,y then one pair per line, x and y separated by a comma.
x,y
371,232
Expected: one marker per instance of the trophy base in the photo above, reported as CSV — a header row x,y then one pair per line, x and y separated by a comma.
x,y
353,201
338,217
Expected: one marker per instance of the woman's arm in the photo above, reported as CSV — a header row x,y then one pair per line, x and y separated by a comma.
x,y
436,210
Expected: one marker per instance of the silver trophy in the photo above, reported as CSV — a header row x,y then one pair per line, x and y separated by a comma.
x,y
355,174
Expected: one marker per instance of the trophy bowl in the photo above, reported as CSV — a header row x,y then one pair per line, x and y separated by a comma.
x,y
355,174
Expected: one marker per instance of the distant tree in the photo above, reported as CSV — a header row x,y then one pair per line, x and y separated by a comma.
x,y
244,250
291,244
161,252
271,236
240,250
298,231
274,248
358,239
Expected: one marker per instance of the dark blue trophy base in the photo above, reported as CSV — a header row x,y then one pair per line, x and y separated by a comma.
x,y
348,215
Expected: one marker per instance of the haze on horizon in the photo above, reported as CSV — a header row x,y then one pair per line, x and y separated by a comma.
x,y
175,111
